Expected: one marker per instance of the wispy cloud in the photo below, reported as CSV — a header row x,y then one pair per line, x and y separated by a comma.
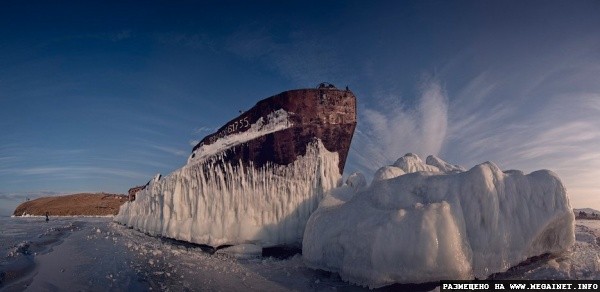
x,y
76,172
44,170
203,130
5,159
547,120
170,150
22,196
13,158
129,161
592,100
387,133
10,200
541,117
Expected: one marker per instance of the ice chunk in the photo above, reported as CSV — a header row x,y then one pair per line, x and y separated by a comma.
x,y
443,165
387,172
357,181
412,163
428,226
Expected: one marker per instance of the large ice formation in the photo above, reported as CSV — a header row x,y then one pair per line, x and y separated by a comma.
x,y
209,201
438,221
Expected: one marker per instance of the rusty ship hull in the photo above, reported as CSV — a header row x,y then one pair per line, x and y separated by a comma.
x,y
325,113
258,178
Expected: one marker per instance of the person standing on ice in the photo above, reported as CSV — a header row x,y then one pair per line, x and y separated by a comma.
x,y
47,219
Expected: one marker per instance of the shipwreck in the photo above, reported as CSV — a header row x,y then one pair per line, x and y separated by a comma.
x,y
256,179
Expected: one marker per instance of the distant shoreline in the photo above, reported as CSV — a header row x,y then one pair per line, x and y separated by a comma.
x,y
59,216
82,204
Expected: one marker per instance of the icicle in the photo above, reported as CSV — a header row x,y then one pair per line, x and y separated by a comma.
x,y
216,203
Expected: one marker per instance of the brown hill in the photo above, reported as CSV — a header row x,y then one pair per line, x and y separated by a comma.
x,y
101,204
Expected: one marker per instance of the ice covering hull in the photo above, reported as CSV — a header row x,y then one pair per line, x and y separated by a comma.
x,y
258,178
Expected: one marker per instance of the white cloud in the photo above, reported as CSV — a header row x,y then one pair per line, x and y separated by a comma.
x,y
43,170
387,133
545,115
171,150
204,129
592,100
552,123
70,172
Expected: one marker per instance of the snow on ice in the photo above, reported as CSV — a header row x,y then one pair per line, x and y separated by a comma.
x,y
69,254
276,121
421,222
231,204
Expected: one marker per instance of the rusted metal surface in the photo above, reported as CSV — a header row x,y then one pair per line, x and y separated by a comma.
x,y
133,191
324,113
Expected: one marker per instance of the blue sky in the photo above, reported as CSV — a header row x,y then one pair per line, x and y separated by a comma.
x,y
100,96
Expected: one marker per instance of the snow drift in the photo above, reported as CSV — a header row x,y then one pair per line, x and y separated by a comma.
x,y
212,202
420,222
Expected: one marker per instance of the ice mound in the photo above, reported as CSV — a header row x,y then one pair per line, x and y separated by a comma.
x,y
216,203
438,222
443,165
357,181
412,163
387,172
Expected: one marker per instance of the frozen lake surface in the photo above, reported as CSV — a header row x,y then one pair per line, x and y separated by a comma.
x,y
96,254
